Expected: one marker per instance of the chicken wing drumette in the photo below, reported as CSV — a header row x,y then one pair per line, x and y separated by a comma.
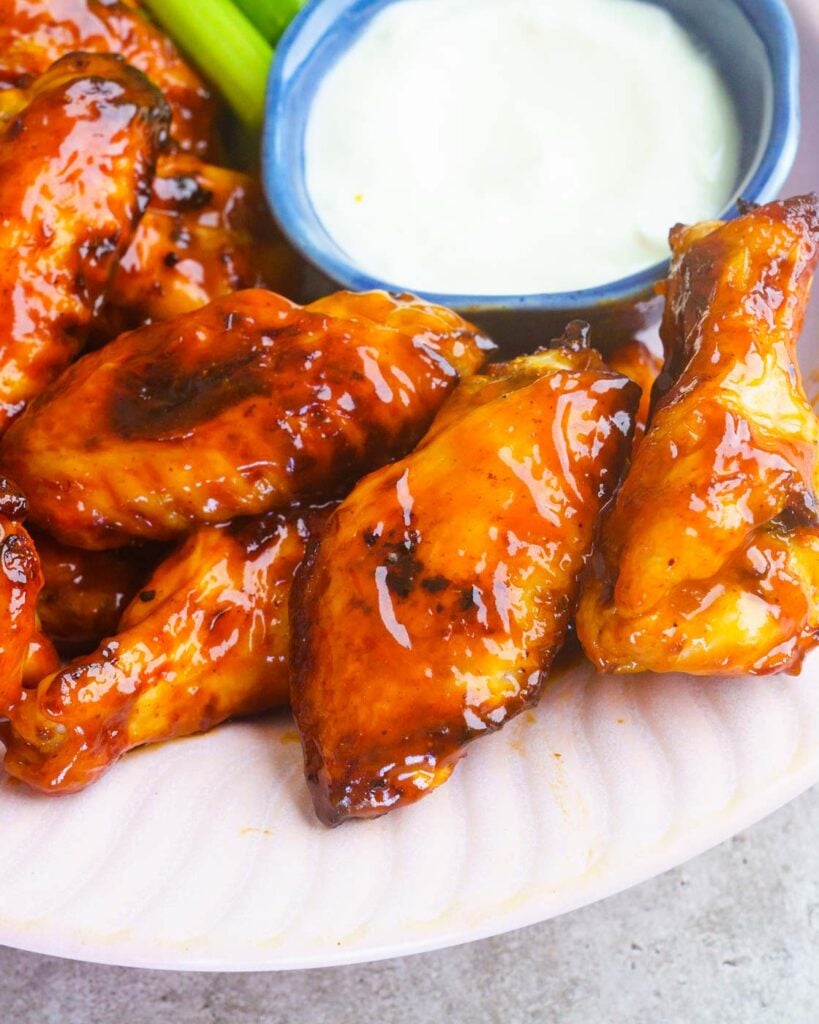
x,y
238,408
77,154
206,639
36,33
207,230
431,609
637,362
709,563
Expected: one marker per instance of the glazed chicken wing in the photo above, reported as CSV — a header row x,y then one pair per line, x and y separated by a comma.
x,y
36,33
431,609
205,640
20,582
241,407
77,153
207,232
708,563
41,659
85,592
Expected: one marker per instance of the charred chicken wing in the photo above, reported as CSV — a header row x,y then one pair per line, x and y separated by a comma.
x,y
205,640
36,33
441,590
709,563
238,408
76,164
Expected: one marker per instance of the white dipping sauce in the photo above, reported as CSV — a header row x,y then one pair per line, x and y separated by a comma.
x,y
517,146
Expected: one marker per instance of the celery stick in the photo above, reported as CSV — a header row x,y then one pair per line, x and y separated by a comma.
x,y
226,48
271,17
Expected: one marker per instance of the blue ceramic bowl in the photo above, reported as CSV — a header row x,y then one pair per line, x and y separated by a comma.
x,y
753,43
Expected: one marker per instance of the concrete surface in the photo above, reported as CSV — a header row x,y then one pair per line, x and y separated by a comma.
x,y
730,938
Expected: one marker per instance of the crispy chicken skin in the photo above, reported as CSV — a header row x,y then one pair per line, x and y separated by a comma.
x,y
22,646
36,33
76,163
709,563
85,592
205,640
431,609
207,232
238,408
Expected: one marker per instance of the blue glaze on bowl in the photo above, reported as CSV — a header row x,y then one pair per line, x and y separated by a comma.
x,y
752,42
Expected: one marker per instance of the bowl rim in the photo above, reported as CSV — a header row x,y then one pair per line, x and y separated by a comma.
x,y
772,22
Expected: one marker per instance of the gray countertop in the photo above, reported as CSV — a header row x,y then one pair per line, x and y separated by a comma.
x,y
730,938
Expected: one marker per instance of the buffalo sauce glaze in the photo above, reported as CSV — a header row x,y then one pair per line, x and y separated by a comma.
x,y
35,35
205,639
75,171
206,232
85,592
245,405
708,563
21,580
431,608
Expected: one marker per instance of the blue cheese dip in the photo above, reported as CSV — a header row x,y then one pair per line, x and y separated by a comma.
x,y
510,147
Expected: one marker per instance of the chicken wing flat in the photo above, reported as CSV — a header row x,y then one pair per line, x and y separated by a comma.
x,y
36,33
708,563
76,163
205,640
207,232
238,408
21,579
430,611
86,592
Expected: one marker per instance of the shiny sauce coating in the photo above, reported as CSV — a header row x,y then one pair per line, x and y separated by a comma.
x,y
243,406
430,611
205,639
76,163
708,563
36,33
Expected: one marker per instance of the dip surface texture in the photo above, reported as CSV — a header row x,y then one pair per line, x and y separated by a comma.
x,y
518,146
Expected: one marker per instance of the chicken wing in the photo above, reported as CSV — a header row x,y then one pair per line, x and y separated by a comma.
x,y
708,563
430,611
20,582
207,232
76,164
205,640
36,33
238,408
85,592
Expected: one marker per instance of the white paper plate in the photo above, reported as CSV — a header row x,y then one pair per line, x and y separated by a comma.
x,y
204,853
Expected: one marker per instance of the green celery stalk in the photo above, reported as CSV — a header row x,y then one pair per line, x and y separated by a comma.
x,y
271,17
226,48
